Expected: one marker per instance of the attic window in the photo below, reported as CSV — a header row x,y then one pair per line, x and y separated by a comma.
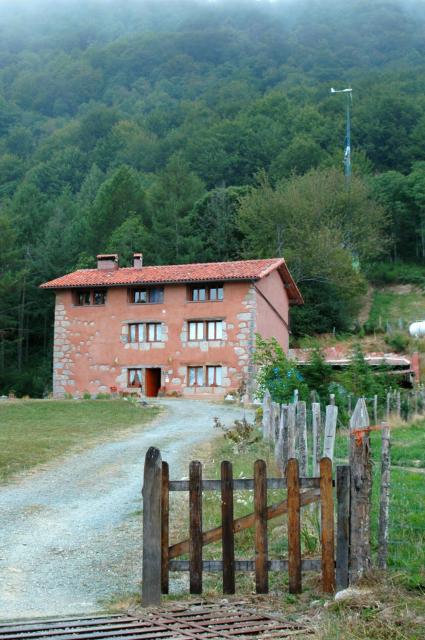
x,y
207,292
87,297
146,295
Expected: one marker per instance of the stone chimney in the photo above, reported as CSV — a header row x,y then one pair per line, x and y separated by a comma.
x,y
137,260
107,261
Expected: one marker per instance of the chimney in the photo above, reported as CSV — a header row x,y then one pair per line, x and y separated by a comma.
x,y
137,260
107,261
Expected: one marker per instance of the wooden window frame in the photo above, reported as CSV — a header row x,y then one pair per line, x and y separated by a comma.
x,y
157,331
214,368
205,330
132,291
89,295
137,370
196,368
139,330
214,286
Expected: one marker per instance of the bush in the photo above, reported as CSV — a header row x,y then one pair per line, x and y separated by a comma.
x,y
277,373
399,342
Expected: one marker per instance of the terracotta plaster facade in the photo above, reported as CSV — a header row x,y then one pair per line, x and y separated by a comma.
x,y
95,350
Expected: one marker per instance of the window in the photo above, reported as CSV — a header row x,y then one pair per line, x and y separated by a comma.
x,y
136,332
212,292
196,330
205,329
141,331
215,329
214,376
85,297
134,378
99,296
151,295
153,331
196,376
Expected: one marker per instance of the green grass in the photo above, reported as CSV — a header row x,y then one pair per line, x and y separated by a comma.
x,y
33,432
407,513
389,306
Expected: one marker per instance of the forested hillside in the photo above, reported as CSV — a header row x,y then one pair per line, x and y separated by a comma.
x,y
196,131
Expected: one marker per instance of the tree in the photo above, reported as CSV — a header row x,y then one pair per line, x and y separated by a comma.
x,y
129,238
118,198
214,225
171,199
321,227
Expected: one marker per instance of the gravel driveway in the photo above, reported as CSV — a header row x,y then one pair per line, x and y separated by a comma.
x,y
69,534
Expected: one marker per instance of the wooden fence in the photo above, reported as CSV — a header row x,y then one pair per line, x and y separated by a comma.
x,y
160,558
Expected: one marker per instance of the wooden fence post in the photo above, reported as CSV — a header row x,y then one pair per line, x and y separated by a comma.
x,y
330,431
267,399
275,421
195,527
343,526
301,427
261,542
294,526
317,436
375,409
361,493
165,526
152,489
281,448
327,526
384,504
292,450
228,536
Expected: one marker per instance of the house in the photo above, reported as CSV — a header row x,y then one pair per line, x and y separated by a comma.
x,y
180,329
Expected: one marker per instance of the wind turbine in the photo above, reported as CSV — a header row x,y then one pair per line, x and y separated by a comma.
x,y
347,148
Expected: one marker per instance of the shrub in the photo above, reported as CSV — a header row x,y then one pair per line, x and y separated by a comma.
x,y
399,342
276,372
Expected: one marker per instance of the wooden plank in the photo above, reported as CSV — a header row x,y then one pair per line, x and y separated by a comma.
x,y
361,493
248,566
267,399
384,502
246,522
292,448
343,526
330,431
240,484
165,527
260,512
301,427
282,440
228,537
294,526
317,436
195,526
152,487
327,526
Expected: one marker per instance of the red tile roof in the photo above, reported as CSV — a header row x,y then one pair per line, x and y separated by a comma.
x,y
200,272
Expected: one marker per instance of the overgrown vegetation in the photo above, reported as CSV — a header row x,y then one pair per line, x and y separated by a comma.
x,y
204,131
282,376
36,432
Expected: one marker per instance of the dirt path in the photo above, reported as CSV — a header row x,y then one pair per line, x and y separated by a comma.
x,y
70,535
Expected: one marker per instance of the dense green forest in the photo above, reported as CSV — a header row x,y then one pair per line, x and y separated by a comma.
x,y
197,131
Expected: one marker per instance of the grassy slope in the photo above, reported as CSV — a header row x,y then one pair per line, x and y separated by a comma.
x,y
394,305
34,432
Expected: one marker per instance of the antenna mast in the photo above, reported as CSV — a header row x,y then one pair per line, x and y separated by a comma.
x,y
347,145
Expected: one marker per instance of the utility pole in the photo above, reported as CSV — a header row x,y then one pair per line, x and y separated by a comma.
x,y
347,147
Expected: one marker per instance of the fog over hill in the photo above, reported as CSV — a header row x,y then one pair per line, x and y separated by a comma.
x,y
153,125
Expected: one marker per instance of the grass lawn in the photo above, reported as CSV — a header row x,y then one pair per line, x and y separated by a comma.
x,y
33,432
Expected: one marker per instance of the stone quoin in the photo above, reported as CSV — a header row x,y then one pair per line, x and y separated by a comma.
x,y
175,330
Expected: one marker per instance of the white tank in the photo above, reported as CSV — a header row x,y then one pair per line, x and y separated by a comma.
x,y
417,329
